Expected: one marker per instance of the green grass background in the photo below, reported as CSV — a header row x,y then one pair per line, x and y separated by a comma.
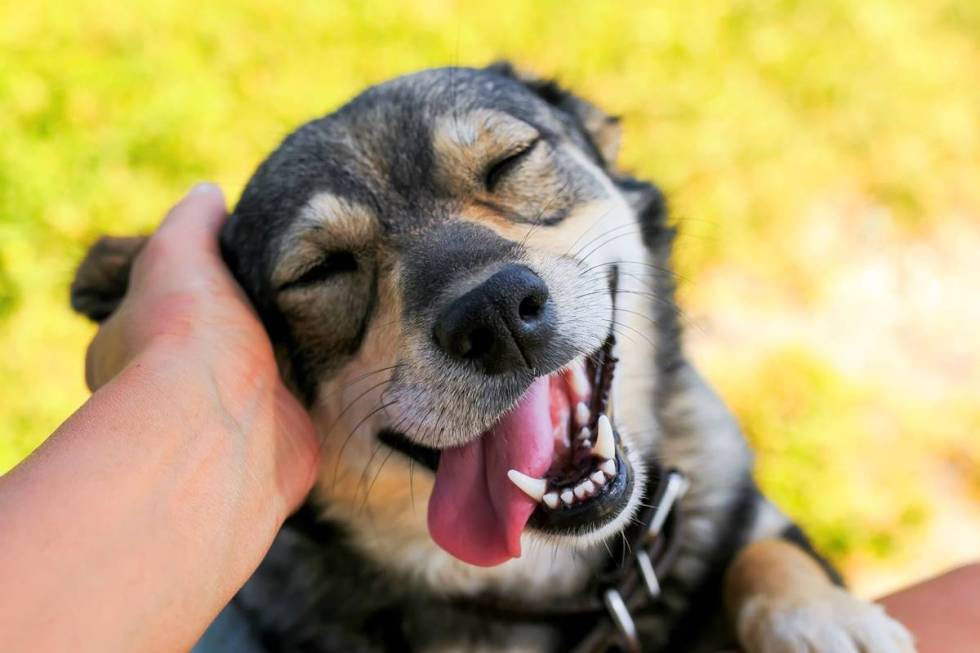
x,y
747,113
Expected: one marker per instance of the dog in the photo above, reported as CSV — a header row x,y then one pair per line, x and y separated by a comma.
x,y
477,308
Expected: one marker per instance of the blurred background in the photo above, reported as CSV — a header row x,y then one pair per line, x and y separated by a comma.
x,y
822,160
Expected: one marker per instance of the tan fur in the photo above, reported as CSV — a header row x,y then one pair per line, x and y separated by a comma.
x,y
772,567
383,497
466,143
778,598
378,493
325,221
605,133
781,601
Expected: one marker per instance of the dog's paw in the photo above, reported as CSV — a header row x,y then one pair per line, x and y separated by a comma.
x,y
833,622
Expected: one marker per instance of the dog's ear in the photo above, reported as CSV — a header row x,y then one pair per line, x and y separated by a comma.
x,y
602,130
103,276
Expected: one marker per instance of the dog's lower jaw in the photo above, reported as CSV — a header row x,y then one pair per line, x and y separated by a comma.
x,y
542,572
550,566
595,537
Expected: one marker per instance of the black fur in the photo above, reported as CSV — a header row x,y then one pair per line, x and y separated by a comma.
x,y
320,552
316,591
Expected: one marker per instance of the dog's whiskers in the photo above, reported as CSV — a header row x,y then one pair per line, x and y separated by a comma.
x,y
595,223
633,329
348,384
347,440
646,264
349,405
367,494
606,242
537,219
374,479
411,481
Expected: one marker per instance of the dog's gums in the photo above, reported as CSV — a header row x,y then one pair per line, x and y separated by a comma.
x,y
585,460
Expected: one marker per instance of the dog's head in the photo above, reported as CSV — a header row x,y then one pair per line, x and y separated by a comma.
x,y
444,265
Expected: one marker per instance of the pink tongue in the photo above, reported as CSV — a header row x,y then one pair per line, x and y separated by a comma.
x,y
475,512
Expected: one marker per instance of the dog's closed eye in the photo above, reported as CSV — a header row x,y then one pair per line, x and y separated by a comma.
x,y
331,265
502,166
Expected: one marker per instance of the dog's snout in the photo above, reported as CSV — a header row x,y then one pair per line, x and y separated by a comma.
x,y
503,325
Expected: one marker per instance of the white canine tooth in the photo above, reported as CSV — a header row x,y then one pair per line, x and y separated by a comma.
x,y
582,414
580,490
532,487
585,433
605,443
608,468
589,487
551,499
598,477
580,384
567,497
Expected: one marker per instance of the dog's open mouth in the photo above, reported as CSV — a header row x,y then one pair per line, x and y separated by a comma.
x,y
589,479
553,463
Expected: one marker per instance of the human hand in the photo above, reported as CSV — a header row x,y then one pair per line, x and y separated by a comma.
x,y
183,309
150,506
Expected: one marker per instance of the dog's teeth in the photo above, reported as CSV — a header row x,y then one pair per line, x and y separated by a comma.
x,y
580,491
582,414
589,487
598,477
585,433
567,497
532,487
551,499
580,384
605,443
608,468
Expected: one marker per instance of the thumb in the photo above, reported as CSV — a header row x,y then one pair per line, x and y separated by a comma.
x,y
185,248
195,220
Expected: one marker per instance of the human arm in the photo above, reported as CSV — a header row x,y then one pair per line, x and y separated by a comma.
x,y
140,517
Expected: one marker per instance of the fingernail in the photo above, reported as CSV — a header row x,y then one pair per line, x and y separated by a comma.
x,y
204,188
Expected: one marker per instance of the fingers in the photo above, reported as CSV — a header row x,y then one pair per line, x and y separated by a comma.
x,y
189,232
184,250
181,259
195,221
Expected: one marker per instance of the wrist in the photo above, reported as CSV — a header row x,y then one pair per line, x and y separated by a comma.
x,y
148,485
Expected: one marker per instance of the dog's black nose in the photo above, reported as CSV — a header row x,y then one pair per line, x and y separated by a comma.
x,y
503,324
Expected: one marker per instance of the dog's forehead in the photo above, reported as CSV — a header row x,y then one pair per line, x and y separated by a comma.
x,y
381,152
411,104
397,137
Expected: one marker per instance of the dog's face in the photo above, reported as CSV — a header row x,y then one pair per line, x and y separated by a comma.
x,y
444,265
